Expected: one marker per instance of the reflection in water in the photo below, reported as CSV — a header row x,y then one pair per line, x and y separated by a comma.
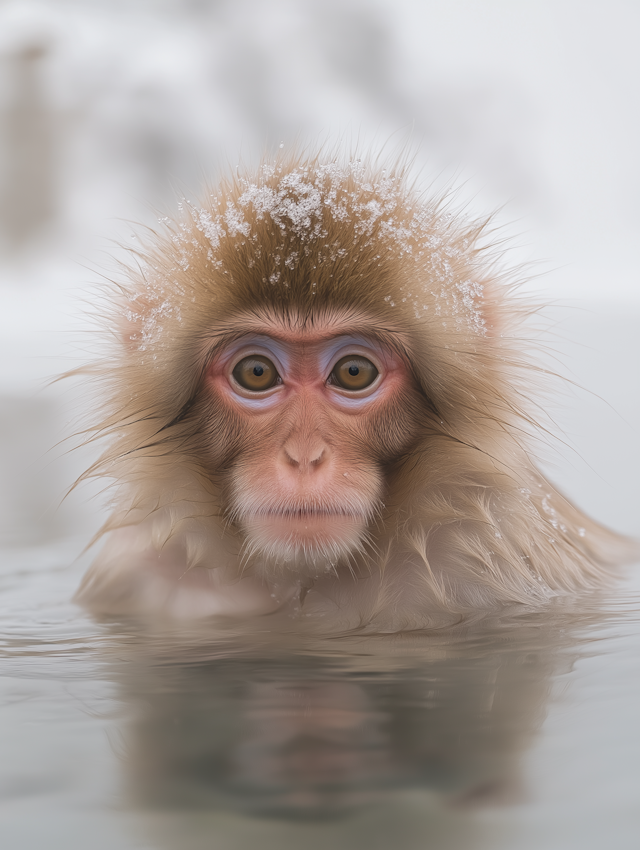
x,y
336,728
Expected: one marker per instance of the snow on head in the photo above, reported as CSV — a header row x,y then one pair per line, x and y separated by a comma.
x,y
305,200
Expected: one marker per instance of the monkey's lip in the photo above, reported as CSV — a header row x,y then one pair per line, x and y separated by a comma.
x,y
307,520
314,528
306,513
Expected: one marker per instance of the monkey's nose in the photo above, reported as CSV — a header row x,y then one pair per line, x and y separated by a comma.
x,y
305,456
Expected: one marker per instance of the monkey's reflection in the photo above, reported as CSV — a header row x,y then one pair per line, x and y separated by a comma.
x,y
313,735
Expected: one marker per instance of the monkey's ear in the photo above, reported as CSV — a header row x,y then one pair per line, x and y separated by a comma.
x,y
138,321
486,306
469,309
493,314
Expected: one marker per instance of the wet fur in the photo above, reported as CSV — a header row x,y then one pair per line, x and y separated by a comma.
x,y
466,521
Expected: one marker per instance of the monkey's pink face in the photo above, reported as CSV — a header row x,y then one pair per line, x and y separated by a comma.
x,y
304,420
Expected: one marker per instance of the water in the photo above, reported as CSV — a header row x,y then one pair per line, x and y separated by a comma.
x,y
519,732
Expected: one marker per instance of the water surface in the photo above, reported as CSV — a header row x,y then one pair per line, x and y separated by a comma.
x,y
520,732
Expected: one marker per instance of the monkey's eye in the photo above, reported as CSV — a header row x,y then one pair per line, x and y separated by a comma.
x,y
353,373
255,373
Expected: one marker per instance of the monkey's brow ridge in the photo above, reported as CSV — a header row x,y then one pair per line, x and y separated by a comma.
x,y
369,330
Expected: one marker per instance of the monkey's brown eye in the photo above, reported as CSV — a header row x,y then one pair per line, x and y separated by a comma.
x,y
255,373
353,373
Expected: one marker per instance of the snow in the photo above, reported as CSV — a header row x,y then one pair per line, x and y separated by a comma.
x,y
300,200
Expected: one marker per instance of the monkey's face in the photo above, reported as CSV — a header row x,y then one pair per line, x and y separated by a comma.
x,y
304,419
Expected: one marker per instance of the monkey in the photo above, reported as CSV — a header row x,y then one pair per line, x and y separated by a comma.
x,y
317,404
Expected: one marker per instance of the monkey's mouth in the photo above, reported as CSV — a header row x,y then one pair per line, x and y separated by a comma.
x,y
317,531
306,513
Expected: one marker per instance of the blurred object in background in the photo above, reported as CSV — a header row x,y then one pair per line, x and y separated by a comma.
x,y
27,203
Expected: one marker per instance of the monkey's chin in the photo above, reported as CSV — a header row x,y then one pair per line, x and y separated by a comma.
x,y
310,543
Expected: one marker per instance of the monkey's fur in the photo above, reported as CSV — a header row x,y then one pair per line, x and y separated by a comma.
x,y
466,520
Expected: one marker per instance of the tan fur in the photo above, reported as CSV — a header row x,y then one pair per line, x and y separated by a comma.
x,y
467,522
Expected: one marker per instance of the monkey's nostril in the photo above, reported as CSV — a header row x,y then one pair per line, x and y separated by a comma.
x,y
316,461
292,461
304,459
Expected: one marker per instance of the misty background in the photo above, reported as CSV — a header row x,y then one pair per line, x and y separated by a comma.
x,y
110,110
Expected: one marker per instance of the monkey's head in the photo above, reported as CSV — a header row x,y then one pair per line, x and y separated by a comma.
x,y
298,346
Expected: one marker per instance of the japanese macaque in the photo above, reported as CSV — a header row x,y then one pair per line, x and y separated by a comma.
x,y
317,403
